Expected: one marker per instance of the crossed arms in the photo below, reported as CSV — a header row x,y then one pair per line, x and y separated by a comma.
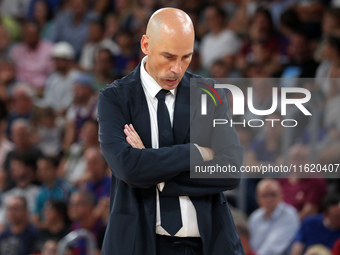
x,y
144,168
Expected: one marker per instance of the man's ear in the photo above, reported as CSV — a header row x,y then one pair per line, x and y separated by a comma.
x,y
145,46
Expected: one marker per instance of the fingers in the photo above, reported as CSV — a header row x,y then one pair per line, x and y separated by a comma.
x,y
132,137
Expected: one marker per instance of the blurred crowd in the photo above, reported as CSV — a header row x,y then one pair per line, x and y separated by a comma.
x,y
56,55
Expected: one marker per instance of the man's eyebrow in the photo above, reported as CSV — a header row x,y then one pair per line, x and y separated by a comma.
x,y
172,55
169,54
189,54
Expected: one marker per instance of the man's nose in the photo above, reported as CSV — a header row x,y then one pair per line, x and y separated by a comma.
x,y
176,67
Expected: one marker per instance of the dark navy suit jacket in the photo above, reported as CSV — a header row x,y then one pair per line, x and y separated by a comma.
x,y
135,172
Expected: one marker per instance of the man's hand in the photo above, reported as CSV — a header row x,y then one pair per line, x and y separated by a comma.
x,y
207,153
132,137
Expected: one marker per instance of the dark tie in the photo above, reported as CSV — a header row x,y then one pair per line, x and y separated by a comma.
x,y
171,219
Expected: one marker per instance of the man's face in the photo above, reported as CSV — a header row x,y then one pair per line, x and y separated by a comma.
x,y
168,57
268,197
78,208
95,165
103,63
16,211
61,64
31,35
46,171
81,93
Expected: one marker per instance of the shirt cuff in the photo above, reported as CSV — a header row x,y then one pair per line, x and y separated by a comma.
x,y
199,149
161,186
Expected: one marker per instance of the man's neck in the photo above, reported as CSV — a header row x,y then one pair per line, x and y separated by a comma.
x,y
19,227
23,184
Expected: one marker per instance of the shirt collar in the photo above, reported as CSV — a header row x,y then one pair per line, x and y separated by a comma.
x,y
151,86
277,212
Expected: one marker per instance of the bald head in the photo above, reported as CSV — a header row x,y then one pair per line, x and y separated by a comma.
x,y
169,45
268,185
269,194
169,22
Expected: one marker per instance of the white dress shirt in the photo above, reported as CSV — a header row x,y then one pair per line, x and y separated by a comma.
x,y
188,211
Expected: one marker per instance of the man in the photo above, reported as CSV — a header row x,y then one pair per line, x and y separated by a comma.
x,y
81,211
19,237
22,174
96,41
272,221
22,106
321,229
58,92
154,182
23,145
72,25
219,42
84,107
98,180
32,50
52,187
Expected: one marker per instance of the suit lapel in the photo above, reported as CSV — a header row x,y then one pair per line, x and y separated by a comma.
x,y
182,111
139,109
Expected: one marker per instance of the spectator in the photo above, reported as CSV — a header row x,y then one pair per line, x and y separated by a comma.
x,y
219,69
72,25
219,42
56,223
5,43
52,187
272,221
19,237
267,148
23,145
98,179
7,80
329,67
261,30
42,14
14,8
81,212
243,232
328,147
5,145
300,51
305,193
49,132
103,69
58,92
54,6
32,50
111,26
127,60
21,107
84,107
96,41
331,22
23,175
73,165
289,20
321,229
336,248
